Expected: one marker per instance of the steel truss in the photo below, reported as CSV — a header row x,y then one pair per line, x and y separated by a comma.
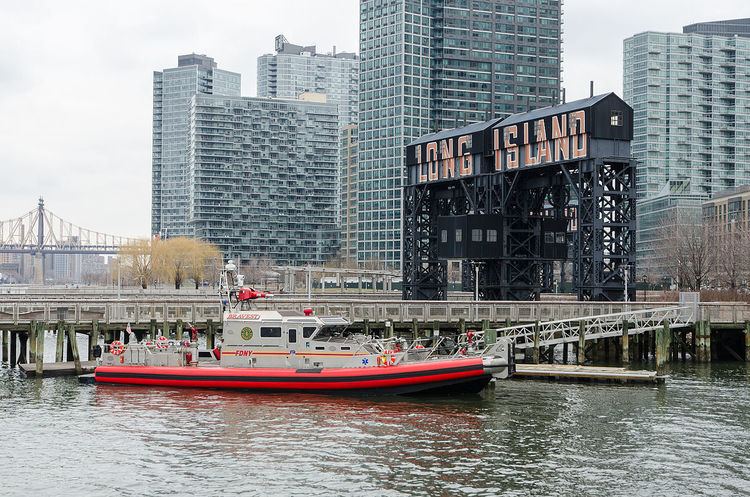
x,y
601,326
599,195
42,232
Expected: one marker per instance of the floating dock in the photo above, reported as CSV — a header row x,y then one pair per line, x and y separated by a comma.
x,y
58,368
574,373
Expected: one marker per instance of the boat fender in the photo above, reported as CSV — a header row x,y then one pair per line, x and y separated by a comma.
x,y
188,357
116,347
217,353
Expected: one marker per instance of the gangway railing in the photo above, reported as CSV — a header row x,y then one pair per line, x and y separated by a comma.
x,y
598,326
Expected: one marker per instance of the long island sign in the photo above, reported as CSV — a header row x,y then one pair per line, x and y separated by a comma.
x,y
538,138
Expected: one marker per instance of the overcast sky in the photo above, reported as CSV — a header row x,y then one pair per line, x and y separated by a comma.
x,y
75,81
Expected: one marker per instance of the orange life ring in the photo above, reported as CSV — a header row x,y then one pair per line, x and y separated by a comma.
x,y
116,347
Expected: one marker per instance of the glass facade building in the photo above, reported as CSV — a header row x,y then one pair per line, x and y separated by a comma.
x,y
172,90
348,188
691,99
295,69
428,65
262,177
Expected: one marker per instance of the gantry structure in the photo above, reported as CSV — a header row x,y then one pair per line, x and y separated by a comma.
x,y
509,197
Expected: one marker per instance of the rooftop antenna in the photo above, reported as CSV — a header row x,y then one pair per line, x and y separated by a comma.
x,y
591,90
563,95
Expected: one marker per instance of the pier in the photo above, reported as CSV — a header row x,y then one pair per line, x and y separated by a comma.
x,y
545,332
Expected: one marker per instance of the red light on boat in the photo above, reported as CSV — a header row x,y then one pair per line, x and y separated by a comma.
x,y
308,312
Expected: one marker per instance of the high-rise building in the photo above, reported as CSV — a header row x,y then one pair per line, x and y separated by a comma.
x,y
172,90
731,27
690,95
427,66
295,69
348,188
262,177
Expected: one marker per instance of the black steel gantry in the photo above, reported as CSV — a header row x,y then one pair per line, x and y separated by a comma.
x,y
515,195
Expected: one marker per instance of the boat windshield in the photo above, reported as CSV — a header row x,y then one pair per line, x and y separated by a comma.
x,y
329,332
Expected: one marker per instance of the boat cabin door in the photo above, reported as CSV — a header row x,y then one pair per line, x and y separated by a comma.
x,y
292,342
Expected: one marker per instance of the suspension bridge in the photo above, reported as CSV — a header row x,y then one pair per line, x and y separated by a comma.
x,y
41,232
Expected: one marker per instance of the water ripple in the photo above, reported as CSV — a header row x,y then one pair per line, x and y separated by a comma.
x,y
690,437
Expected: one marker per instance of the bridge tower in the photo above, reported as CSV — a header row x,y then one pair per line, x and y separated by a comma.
x,y
38,254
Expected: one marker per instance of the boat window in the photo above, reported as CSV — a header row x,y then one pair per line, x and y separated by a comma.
x,y
270,332
331,331
307,331
292,336
346,348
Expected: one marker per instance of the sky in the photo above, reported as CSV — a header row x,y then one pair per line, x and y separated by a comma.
x,y
76,76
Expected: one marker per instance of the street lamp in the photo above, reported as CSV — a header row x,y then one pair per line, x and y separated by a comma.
x,y
476,281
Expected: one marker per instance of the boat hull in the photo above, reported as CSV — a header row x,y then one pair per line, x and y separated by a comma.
x,y
440,376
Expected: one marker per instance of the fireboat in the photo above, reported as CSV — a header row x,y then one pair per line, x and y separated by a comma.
x,y
293,351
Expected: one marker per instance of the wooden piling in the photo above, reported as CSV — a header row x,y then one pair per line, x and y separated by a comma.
x,y
13,349
210,334
461,326
59,341
73,347
39,350
605,344
152,329
747,341
565,352
389,329
490,336
93,338
703,341
535,350
69,347
551,354
581,342
5,351
625,343
661,351
23,338
179,329
32,342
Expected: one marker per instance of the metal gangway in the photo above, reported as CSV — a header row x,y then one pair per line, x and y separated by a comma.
x,y
537,334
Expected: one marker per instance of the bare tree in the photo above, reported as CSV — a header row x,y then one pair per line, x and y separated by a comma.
x,y
689,248
733,257
257,269
136,260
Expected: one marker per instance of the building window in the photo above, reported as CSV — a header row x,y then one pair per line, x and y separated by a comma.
x,y
459,236
491,235
616,118
444,236
476,235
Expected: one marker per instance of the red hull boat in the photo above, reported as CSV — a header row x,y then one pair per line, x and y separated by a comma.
x,y
457,375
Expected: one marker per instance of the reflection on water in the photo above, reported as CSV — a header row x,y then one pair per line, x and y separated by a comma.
x,y
690,437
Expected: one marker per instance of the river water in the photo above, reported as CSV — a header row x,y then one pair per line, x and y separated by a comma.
x,y
689,437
